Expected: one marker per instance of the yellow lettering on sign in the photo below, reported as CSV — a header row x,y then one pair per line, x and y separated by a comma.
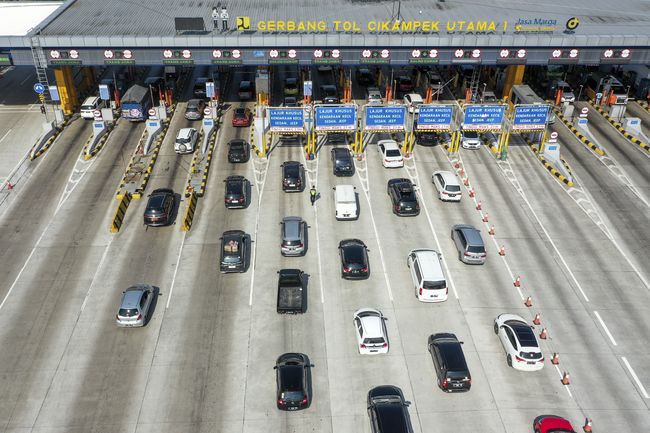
x,y
261,26
435,26
322,26
280,25
395,26
461,25
407,26
291,26
426,26
451,26
372,26
336,25
270,26
417,25
492,27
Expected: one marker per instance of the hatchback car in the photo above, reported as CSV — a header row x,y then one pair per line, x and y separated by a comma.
x,y
293,381
447,185
370,329
403,198
186,140
293,236
449,362
134,306
552,424
242,117
354,259
194,110
413,102
388,410
238,150
470,140
160,207
373,95
519,342
234,251
293,176
291,86
236,193
391,157
245,91
469,243
342,164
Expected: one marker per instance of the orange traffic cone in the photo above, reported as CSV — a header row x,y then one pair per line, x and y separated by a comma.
x,y
491,231
466,181
587,426
537,320
478,205
517,282
471,193
485,218
529,302
556,359
462,172
502,251
456,165
543,334
565,378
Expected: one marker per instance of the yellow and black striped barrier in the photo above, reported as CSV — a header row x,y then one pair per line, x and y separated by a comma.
x,y
50,140
577,133
619,127
644,105
208,161
189,212
120,213
554,172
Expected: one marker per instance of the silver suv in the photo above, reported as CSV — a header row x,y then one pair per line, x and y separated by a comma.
x,y
468,240
294,235
135,305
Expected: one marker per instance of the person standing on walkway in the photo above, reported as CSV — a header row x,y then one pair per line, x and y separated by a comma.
x,y
224,19
312,195
215,18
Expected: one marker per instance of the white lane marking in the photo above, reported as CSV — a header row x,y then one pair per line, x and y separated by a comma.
x,y
561,374
178,265
6,133
314,181
260,193
433,230
636,378
602,323
99,266
26,78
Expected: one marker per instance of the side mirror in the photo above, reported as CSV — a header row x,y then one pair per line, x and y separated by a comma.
x,y
407,403
275,367
311,365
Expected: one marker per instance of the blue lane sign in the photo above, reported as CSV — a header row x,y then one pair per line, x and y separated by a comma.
x,y
103,92
435,116
54,93
483,117
39,88
336,118
306,88
385,118
209,89
530,117
286,119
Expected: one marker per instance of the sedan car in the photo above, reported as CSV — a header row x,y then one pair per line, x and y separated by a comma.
x,y
373,95
449,362
552,424
236,193
234,251
194,110
405,84
470,140
238,150
293,176
134,306
342,164
388,410
242,117
365,77
354,259
391,157
520,343
290,101
402,195
370,329
293,381
160,207
291,86
329,94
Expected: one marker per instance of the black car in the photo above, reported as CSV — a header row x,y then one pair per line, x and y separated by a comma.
x,y
365,77
354,259
402,194
238,150
236,193
160,207
293,176
293,379
449,362
337,137
427,138
234,251
342,164
388,411
329,94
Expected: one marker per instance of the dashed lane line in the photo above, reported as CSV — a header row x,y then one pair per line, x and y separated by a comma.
x,y
178,265
636,378
602,323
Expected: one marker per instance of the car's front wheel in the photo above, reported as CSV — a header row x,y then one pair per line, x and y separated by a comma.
x,y
496,328
509,360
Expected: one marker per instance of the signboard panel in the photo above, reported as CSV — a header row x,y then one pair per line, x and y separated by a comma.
x,y
286,119
530,117
434,116
483,117
336,118
384,118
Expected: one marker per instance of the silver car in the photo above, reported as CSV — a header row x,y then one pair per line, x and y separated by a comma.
x,y
293,234
135,305
468,240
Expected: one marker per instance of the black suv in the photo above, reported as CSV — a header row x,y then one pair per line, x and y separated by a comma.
x,y
388,411
449,362
426,138
293,380
342,164
236,193
238,150
293,176
234,251
402,194
160,207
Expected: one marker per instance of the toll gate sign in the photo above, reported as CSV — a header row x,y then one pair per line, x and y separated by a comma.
x,y
286,119
530,117
384,118
336,118
483,117
434,116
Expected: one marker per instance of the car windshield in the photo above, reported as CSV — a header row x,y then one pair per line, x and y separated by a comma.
x,y
376,340
291,84
434,285
231,249
234,187
457,374
183,140
354,254
470,134
475,249
192,108
292,395
405,81
291,170
291,377
128,312
156,201
453,188
237,145
525,334
393,152
240,112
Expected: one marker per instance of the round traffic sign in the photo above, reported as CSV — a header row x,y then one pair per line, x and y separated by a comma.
x,y
152,112
207,111
584,110
308,108
97,113
554,135
39,88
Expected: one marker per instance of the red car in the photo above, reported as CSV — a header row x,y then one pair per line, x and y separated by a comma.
x,y
242,117
404,84
552,424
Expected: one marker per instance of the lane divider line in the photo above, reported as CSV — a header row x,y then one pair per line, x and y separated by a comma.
x,y
602,323
636,378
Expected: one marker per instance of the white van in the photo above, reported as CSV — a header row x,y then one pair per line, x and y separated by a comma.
x,y
91,104
427,274
345,202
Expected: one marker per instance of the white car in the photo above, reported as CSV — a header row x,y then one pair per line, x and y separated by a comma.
x,y
374,95
447,185
186,140
370,329
413,102
391,157
520,342
470,140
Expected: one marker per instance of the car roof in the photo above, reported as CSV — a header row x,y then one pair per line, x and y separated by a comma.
x,y
132,297
414,97
391,418
184,132
471,233
338,151
450,350
389,144
291,377
351,242
194,102
448,177
237,142
372,323
524,333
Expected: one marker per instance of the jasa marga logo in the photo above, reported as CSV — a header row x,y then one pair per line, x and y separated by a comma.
x,y
571,25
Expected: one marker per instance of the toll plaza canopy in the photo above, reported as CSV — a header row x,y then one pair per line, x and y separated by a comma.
x,y
341,32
